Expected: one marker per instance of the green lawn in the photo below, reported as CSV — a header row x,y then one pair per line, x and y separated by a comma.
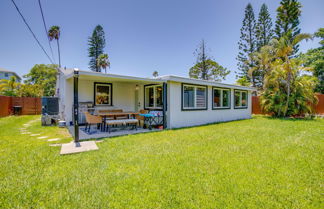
x,y
257,163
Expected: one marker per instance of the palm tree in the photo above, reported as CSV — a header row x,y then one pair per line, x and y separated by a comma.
x,y
282,72
284,50
103,61
8,87
54,33
263,60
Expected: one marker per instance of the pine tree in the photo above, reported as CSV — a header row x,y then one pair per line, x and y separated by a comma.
x,y
264,31
206,68
96,45
287,22
247,44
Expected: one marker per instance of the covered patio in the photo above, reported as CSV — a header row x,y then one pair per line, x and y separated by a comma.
x,y
124,104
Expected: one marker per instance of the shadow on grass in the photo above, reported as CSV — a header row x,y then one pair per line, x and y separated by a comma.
x,y
306,119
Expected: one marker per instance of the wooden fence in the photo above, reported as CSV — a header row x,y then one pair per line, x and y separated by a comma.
x,y
30,105
319,108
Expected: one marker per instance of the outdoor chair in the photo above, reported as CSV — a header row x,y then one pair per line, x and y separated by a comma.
x,y
92,119
141,118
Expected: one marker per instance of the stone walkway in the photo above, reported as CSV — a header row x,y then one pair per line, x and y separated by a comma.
x,y
25,131
68,148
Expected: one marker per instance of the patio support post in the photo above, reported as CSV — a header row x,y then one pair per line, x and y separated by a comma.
x,y
76,105
164,92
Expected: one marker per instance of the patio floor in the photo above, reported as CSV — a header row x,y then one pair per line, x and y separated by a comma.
x,y
96,133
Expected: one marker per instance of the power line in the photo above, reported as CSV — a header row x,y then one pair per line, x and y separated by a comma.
x,y
31,31
46,31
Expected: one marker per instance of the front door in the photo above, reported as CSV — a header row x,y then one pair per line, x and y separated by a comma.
x,y
136,100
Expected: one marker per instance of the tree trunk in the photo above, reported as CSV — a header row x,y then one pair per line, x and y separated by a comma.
x,y
59,53
288,91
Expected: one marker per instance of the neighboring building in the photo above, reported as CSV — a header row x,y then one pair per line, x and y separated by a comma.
x,y
6,74
183,101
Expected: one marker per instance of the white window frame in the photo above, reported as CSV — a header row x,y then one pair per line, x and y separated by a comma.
x,y
240,99
221,98
155,107
195,97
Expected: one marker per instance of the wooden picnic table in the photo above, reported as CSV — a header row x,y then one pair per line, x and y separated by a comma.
x,y
107,114
104,115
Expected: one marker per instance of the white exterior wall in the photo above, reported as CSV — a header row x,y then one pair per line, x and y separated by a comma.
x,y
123,96
178,118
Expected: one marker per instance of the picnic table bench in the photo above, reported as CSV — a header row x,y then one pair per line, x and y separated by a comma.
x,y
132,122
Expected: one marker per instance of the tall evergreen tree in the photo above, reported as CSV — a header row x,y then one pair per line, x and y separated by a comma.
x,y
247,44
206,68
287,23
96,47
264,31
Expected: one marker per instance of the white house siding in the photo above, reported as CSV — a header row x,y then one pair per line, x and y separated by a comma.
x,y
123,95
178,118
68,100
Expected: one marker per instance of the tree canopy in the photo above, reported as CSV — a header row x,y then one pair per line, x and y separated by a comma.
x,y
314,58
287,22
43,76
247,44
264,31
206,68
96,44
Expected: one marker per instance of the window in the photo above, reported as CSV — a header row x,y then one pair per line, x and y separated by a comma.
x,y
221,98
194,97
240,98
103,94
153,97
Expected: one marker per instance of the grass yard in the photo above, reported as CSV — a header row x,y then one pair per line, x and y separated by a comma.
x,y
257,163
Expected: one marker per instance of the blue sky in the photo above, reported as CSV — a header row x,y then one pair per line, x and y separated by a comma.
x,y
141,36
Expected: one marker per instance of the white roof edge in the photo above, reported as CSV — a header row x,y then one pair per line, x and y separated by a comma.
x,y
203,82
162,79
109,75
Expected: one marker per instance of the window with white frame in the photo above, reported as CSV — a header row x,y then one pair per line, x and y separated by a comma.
x,y
240,98
194,97
221,98
153,97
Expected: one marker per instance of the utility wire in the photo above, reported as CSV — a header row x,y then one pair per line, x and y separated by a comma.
x,y
40,45
46,31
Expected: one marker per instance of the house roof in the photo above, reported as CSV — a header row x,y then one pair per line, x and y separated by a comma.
x,y
9,71
202,82
97,75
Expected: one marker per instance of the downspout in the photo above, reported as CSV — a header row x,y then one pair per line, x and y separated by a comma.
x,y
76,106
165,104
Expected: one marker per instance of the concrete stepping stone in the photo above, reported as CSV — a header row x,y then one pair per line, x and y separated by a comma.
x,y
25,132
72,147
54,139
42,137
55,145
34,134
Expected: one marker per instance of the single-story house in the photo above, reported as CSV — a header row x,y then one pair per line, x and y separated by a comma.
x,y
6,74
184,101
